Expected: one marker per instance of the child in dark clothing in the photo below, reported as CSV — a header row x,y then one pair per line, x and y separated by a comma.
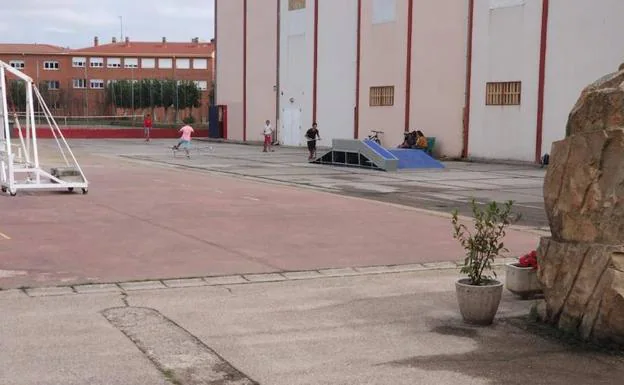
x,y
312,135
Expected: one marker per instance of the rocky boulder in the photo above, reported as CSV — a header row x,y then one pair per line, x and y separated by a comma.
x,y
583,286
600,107
584,188
581,268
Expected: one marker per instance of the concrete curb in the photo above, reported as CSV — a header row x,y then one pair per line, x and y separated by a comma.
x,y
229,280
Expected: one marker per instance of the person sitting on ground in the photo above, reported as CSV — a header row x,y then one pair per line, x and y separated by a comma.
x,y
421,141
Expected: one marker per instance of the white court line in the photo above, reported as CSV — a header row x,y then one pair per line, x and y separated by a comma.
x,y
5,236
251,199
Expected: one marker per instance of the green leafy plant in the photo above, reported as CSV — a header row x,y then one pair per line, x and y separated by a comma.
x,y
485,241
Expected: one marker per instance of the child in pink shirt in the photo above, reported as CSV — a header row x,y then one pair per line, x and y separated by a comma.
x,y
185,139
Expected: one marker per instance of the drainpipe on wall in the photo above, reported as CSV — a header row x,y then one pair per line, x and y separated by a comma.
x,y
542,82
466,130
277,74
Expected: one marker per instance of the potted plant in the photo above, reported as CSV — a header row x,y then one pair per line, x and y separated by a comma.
x,y
479,294
521,276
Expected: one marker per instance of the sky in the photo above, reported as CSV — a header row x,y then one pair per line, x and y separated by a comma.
x,y
74,23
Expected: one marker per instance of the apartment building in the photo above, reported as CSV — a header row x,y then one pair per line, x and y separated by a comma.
x,y
351,65
76,79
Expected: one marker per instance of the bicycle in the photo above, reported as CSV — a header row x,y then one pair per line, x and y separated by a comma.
x,y
375,136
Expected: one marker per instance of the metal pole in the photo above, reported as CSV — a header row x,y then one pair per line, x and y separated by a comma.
x,y
31,110
7,129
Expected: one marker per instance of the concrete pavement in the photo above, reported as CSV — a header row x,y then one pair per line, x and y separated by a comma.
x,y
390,328
145,220
438,190
189,272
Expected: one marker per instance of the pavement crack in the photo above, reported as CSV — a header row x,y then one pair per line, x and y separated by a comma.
x,y
124,298
181,357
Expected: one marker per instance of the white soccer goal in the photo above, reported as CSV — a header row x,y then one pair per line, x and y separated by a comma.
x,y
20,168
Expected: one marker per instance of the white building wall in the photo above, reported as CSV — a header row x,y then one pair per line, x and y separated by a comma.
x,y
438,72
296,72
337,64
383,63
584,43
261,65
506,46
230,63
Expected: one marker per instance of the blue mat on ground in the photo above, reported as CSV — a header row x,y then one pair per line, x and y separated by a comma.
x,y
413,159
379,150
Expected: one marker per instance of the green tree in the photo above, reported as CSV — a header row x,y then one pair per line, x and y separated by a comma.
x,y
17,95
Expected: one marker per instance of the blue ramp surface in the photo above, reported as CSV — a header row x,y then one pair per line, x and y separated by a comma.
x,y
380,150
414,159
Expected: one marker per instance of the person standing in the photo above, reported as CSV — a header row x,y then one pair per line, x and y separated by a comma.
x,y
312,135
147,126
268,136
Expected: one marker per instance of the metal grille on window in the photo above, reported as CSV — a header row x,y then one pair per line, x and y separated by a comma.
x,y
294,5
503,93
382,96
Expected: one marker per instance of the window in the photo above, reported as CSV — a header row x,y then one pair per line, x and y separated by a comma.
x,y
18,64
131,63
503,93
183,64
200,64
97,84
96,62
294,5
494,4
382,96
80,83
384,11
202,85
79,62
165,63
50,65
113,62
148,63
53,84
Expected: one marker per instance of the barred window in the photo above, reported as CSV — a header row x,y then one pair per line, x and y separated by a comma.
x,y
503,93
382,96
294,5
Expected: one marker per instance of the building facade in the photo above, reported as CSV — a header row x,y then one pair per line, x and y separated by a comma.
x,y
537,58
76,80
352,66
492,79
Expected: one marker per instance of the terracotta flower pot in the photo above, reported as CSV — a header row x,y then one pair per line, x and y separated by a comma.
x,y
478,304
522,281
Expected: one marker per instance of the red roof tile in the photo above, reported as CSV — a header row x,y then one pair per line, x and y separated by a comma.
x,y
149,49
32,49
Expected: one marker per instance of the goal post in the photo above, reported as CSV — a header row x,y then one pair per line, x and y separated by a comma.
x,y
20,168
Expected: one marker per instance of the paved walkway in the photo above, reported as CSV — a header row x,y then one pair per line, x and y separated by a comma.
x,y
190,271
399,329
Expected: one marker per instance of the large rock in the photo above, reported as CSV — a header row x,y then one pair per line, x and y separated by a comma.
x,y
582,266
584,288
584,188
600,107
